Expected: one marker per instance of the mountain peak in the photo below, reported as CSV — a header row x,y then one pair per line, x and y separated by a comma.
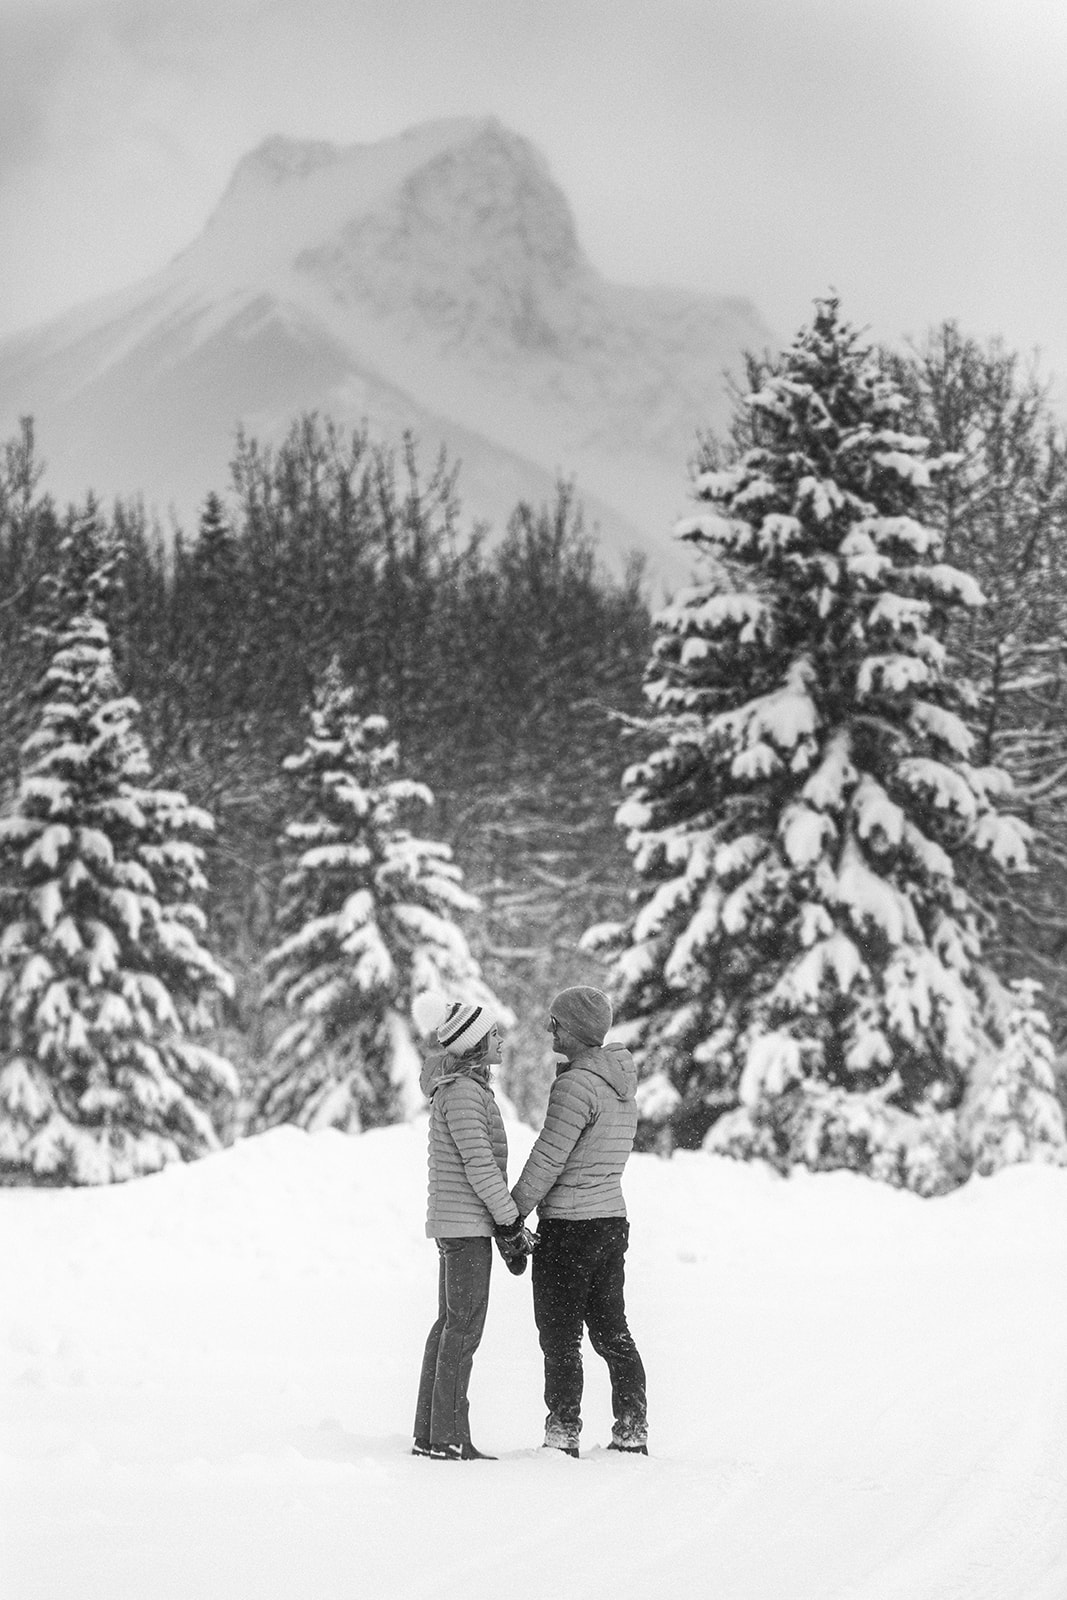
x,y
289,197
477,242
456,226
279,159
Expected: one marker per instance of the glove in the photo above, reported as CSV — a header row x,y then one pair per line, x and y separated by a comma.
x,y
515,1242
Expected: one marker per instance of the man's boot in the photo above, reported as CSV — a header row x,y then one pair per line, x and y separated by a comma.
x,y
561,1436
629,1436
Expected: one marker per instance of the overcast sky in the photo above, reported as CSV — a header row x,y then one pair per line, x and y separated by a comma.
x,y
910,154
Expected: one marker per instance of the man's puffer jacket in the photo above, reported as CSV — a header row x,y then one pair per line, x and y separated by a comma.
x,y
468,1152
574,1170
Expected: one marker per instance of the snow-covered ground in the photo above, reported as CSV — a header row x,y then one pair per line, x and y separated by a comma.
x,y
208,1378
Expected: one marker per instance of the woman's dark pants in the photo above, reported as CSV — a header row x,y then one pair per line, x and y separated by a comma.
x,y
578,1281
462,1300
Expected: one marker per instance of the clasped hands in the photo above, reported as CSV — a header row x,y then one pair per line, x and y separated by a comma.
x,y
516,1241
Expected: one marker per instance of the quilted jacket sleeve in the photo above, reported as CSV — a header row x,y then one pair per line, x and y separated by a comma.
x,y
464,1109
571,1108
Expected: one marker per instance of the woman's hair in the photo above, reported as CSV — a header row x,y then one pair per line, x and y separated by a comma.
x,y
477,1052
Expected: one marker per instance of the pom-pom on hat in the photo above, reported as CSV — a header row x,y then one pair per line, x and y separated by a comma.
x,y
459,1024
585,1013
429,1010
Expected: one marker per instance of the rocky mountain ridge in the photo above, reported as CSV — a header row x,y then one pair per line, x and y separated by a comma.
x,y
434,281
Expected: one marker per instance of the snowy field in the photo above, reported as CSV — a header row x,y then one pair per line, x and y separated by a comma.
x,y
208,1378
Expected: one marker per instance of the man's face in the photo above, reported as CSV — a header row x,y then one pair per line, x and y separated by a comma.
x,y
560,1037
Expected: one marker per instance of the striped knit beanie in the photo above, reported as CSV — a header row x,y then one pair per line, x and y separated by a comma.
x,y
459,1024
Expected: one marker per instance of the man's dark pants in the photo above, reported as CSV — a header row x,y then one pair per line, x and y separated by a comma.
x,y
578,1281
441,1413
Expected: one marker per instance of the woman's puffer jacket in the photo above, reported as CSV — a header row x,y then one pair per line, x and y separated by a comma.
x,y
468,1152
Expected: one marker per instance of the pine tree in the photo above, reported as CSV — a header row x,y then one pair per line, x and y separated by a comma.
x,y
215,551
103,980
1016,1116
29,537
367,923
804,955
1004,512
216,638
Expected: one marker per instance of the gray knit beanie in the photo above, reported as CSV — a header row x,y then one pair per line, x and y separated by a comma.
x,y
585,1013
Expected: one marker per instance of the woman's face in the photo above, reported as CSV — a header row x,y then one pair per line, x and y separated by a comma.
x,y
494,1039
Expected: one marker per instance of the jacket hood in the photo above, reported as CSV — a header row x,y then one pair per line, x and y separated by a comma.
x,y
440,1068
613,1063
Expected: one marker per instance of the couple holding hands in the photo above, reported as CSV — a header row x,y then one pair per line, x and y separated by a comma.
x,y
572,1179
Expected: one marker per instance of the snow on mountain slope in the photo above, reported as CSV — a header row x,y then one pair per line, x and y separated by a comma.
x,y
207,1380
433,281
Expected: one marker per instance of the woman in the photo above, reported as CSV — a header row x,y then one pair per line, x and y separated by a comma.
x,y
468,1203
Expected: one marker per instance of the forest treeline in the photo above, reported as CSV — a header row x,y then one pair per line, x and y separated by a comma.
x,y
509,664
501,667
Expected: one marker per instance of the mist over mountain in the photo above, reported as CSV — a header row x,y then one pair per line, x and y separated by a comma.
x,y
433,281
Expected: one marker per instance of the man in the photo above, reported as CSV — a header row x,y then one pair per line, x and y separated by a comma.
x,y
572,1178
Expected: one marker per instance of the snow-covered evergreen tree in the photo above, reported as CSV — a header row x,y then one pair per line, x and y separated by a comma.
x,y
367,918
104,982
804,955
1016,1115
1004,512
